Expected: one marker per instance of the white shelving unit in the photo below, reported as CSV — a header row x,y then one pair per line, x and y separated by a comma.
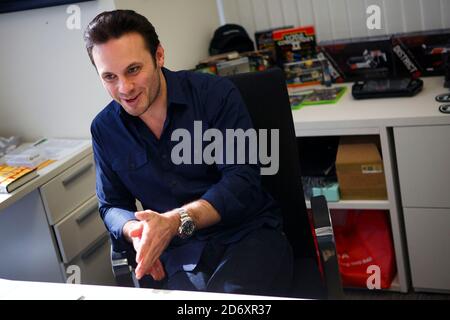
x,y
381,117
391,205
357,204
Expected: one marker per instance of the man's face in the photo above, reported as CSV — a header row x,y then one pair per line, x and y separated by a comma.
x,y
128,72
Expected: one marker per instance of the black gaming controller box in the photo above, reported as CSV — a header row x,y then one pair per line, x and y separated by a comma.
x,y
421,53
360,58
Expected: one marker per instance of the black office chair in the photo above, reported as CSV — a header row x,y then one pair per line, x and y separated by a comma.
x,y
267,100
266,97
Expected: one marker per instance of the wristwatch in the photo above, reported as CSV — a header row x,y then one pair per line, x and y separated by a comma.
x,y
187,225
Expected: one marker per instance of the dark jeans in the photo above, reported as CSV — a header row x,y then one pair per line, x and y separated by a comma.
x,y
261,263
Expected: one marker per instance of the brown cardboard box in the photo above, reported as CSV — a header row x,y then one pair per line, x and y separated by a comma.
x,y
359,169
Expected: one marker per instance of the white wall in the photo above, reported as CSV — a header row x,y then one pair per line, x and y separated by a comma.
x,y
48,87
185,27
47,84
337,19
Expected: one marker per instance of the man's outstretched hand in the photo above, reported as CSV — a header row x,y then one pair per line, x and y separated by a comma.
x,y
150,236
156,271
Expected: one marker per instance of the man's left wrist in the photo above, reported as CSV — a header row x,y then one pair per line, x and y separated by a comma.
x,y
187,225
175,221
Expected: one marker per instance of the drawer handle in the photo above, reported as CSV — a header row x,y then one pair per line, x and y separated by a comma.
x,y
94,247
91,210
71,177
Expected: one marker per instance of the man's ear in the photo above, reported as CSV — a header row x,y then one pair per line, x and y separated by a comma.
x,y
159,56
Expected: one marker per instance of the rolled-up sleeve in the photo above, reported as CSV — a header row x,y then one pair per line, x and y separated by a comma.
x,y
116,204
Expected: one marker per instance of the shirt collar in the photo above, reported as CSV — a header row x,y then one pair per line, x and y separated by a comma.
x,y
175,92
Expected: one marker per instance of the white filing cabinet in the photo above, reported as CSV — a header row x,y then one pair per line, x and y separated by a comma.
x,y
71,208
55,226
423,157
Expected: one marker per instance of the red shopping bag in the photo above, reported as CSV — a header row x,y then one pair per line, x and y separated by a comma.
x,y
363,240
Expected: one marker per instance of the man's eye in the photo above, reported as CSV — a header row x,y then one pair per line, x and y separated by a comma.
x,y
109,77
133,69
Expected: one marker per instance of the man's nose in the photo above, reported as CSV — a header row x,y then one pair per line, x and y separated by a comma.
x,y
125,86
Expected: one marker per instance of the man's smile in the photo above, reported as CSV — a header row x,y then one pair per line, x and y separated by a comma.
x,y
132,100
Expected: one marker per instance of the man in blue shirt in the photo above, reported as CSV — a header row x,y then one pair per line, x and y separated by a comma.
x,y
208,227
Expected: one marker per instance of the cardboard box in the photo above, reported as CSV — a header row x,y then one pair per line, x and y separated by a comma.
x,y
359,169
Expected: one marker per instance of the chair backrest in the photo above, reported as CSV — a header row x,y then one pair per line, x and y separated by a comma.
x,y
267,100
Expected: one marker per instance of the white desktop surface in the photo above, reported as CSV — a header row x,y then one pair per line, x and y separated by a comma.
x,y
421,109
46,174
28,290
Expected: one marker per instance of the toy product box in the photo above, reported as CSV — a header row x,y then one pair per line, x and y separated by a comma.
x,y
259,60
359,59
421,53
294,44
330,70
264,41
306,72
231,67
209,64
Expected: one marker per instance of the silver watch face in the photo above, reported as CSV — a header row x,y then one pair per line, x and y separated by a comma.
x,y
187,227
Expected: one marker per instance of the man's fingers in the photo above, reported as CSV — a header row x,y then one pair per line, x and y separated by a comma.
x,y
157,271
144,260
141,270
144,215
145,257
143,247
136,230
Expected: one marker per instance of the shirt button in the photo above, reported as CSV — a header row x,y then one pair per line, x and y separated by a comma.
x,y
164,156
174,183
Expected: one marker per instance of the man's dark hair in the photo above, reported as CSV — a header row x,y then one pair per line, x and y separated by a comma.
x,y
114,24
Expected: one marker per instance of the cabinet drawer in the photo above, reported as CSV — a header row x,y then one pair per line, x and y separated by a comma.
x,y
95,263
77,231
427,235
67,191
423,155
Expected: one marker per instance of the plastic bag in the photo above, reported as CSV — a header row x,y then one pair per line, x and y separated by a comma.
x,y
363,240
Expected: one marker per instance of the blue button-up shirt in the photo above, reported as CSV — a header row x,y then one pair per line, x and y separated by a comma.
x,y
131,163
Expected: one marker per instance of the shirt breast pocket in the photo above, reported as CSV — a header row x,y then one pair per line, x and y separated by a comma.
x,y
130,163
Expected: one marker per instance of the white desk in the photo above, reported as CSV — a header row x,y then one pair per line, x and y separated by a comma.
x,y
45,175
413,136
27,290
419,110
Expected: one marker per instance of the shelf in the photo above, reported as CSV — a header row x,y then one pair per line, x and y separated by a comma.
x,y
357,204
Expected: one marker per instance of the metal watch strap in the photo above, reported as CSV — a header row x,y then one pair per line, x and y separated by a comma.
x,y
184,216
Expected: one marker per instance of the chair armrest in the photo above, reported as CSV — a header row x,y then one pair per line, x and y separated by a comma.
x,y
327,247
122,269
